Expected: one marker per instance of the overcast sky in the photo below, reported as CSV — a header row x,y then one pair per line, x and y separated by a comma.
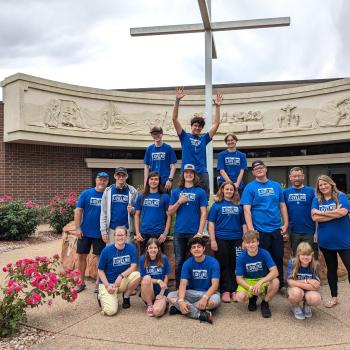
x,y
87,42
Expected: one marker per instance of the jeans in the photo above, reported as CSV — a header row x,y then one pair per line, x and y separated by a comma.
x,y
296,238
204,178
273,243
191,298
228,251
331,259
181,250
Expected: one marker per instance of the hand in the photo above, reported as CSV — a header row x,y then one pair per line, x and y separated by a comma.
x,y
179,93
236,185
162,238
139,238
218,100
314,283
183,307
130,208
316,211
118,281
111,289
202,303
168,185
256,288
214,246
315,238
79,233
198,234
284,229
163,285
160,296
105,238
182,199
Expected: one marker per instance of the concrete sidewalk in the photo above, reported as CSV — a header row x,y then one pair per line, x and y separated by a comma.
x,y
80,325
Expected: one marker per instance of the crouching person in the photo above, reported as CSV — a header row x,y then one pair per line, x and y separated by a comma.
x,y
256,275
198,290
117,272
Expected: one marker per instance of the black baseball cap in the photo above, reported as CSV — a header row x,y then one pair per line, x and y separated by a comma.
x,y
257,163
121,170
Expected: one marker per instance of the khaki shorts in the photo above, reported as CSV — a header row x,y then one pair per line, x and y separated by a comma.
x,y
109,302
252,282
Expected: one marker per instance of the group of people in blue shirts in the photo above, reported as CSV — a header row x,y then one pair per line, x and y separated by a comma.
x,y
247,226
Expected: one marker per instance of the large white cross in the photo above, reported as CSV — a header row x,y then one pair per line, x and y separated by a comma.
x,y
208,28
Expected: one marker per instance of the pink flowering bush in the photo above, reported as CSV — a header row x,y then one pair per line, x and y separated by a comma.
x,y
30,283
62,211
18,219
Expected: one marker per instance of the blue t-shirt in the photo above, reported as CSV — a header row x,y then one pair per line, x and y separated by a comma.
x,y
304,273
264,199
298,202
333,234
194,150
159,159
188,214
115,261
119,207
232,163
257,266
200,274
90,202
228,219
153,212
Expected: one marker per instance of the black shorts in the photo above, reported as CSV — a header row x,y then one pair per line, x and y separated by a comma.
x,y
84,245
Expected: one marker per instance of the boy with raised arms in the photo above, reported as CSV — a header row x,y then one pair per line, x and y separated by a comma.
x,y
256,275
197,293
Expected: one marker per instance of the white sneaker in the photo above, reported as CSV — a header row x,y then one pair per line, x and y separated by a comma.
x,y
298,313
307,310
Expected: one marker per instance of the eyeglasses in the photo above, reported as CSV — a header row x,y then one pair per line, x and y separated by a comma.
x,y
259,168
120,175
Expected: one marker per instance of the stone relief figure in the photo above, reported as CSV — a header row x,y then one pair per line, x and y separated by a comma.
x,y
52,117
239,122
343,108
289,119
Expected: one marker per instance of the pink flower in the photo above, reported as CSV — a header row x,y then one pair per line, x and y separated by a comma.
x,y
4,269
34,299
28,271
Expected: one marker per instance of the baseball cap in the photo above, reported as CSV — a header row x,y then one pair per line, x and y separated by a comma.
x,y
256,163
102,174
189,167
121,170
156,129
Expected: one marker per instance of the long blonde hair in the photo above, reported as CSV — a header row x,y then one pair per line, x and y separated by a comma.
x,y
220,194
335,192
304,248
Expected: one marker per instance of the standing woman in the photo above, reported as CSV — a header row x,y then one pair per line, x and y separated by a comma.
x,y
226,226
151,218
155,270
330,209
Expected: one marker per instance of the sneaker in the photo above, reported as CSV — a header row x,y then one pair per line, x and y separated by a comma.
x,y
205,316
307,310
98,300
283,291
80,288
265,309
174,311
252,303
298,313
226,297
150,311
126,302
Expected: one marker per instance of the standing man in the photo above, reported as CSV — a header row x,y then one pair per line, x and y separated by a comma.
x,y
231,163
189,202
117,207
299,199
194,144
117,271
160,157
87,224
263,204
198,291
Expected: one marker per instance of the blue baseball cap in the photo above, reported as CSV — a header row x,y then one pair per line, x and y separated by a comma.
x,y
102,174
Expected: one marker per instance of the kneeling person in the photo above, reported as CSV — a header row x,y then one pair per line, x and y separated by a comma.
x,y
198,290
117,272
256,275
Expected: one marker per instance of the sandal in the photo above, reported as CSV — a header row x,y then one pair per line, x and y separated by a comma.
x,y
331,302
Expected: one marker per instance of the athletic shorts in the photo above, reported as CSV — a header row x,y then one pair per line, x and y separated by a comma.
x,y
252,282
84,245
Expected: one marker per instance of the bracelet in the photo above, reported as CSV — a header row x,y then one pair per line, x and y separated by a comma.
x,y
250,288
159,282
180,300
170,179
205,296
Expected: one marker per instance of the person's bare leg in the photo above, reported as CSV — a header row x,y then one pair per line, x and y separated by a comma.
x,y
147,293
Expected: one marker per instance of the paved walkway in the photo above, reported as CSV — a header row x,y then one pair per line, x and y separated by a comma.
x,y
80,325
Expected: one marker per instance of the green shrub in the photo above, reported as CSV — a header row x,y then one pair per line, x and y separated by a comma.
x,y
62,211
18,219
